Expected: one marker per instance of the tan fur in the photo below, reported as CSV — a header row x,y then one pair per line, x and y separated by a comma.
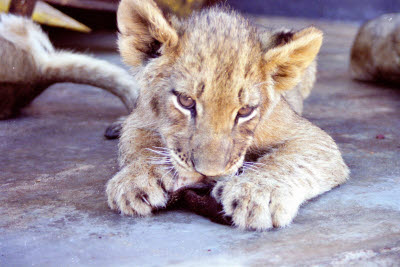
x,y
224,64
375,55
29,64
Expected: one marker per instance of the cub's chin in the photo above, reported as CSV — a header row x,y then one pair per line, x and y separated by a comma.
x,y
186,178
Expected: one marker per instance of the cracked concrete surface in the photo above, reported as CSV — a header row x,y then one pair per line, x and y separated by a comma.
x,y
54,163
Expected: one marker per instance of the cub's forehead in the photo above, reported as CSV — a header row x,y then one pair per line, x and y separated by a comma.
x,y
219,39
220,54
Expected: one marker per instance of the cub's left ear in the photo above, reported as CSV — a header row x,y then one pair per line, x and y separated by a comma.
x,y
287,61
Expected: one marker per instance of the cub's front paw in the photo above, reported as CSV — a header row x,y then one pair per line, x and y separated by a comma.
x,y
135,195
257,206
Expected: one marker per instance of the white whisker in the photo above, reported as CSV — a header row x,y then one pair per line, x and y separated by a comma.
x,y
159,158
158,162
167,168
161,148
165,174
259,84
175,175
250,166
161,153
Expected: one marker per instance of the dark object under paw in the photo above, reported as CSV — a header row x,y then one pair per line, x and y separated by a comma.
x,y
197,199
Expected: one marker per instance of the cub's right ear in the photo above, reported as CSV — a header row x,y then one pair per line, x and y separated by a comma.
x,y
143,30
291,55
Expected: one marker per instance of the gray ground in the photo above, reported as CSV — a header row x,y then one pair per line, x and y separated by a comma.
x,y
54,163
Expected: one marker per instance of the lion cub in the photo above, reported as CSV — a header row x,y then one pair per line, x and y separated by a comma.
x,y
213,106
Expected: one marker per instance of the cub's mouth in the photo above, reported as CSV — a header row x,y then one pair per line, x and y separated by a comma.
x,y
182,181
184,172
188,177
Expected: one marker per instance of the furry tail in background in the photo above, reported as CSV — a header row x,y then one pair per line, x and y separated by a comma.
x,y
29,64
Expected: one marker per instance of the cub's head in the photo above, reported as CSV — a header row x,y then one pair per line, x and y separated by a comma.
x,y
211,80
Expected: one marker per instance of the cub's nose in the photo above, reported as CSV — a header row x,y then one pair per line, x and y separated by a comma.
x,y
211,154
209,167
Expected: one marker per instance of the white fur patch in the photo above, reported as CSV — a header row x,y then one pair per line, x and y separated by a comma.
x,y
247,118
179,107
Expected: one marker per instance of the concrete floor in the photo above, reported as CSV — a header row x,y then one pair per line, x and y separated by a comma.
x,y
54,163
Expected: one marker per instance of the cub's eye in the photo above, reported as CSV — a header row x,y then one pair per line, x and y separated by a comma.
x,y
245,111
186,101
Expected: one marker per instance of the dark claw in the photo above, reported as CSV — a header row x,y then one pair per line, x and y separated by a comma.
x,y
161,184
113,131
235,203
143,197
219,192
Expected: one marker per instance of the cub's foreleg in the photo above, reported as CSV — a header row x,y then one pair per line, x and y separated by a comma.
x,y
269,193
146,174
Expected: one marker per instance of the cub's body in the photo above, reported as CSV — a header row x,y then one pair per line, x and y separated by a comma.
x,y
220,101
